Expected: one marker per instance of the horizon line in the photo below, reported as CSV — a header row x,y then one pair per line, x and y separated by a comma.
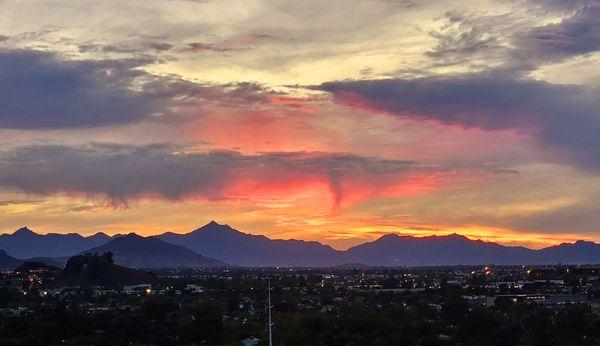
x,y
363,241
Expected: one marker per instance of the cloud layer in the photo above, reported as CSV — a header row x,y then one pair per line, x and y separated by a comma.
x,y
562,116
122,172
42,91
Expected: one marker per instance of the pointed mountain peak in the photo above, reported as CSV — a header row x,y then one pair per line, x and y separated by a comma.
x,y
132,236
389,236
456,236
398,237
585,242
24,231
99,235
214,226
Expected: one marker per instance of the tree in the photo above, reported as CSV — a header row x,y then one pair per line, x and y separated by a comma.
x,y
109,256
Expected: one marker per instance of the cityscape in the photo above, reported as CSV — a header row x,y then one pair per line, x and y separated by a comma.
x,y
467,305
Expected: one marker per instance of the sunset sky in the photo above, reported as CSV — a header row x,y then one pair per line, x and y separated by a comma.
x,y
336,121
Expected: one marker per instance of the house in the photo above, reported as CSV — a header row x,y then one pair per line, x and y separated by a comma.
x,y
251,341
142,288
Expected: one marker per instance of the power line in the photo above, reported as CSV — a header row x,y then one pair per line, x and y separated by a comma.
x,y
270,320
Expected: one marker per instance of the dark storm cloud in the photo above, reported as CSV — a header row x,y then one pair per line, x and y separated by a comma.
x,y
41,91
575,35
564,116
124,172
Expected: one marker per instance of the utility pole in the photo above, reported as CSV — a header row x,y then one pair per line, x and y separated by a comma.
x,y
270,321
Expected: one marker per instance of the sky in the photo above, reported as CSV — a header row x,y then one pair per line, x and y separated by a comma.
x,y
336,121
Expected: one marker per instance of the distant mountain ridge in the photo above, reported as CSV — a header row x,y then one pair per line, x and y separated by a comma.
x,y
230,245
454,249
25,243
32,266
9,262
580,252
238,248
216,244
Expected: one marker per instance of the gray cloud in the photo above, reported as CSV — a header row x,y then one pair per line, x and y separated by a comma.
x,y
138,48
462,38
575,35
205,47
563,116
237,43
160,46
125,172
581,217
484,40
563,5
41,91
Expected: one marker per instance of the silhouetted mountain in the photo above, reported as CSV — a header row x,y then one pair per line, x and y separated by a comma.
x,y
25,243
394,250
58,262
8,262
580,252
230,245
223,243
234,247
99,270
455,249
33,266
133,250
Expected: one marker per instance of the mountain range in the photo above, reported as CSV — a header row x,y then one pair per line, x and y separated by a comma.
x,y
24,243
454,249
9,262
238,248
219,245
